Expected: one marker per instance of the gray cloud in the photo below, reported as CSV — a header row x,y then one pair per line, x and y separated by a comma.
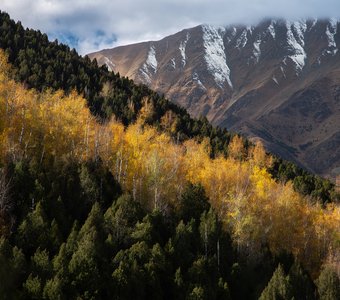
x,y
91,25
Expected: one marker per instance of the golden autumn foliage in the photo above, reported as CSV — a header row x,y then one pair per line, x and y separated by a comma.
x,y
255,209
169,122
236,148
258,156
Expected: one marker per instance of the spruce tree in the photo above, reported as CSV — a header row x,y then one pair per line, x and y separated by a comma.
x,y
278,288
328,284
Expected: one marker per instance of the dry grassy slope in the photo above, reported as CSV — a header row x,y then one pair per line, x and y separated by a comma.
x,y
279,81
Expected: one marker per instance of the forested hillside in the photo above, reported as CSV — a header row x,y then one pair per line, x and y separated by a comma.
x,y
41,64
108,191
97,210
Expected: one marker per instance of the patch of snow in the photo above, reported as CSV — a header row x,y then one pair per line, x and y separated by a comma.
x,y
319,60
314,21
173,63
330,33
150,65
283,71
271,29
296,43
300,28
110,65
215,56
242,40
250,29
145,75
151,60
275,80
257,50
299,60
231,34
182,48
198,81
332,52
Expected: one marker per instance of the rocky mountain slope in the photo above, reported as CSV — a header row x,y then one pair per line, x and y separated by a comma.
x,y
278,81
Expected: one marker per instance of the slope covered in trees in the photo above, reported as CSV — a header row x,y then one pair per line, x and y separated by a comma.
x,y
41,64
98,210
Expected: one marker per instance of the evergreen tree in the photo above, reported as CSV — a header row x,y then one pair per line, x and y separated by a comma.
x,y
184,244
328,284
41,264
193,203
86,261
33,287
53,289
302,284
12,270
120,219
279,287
209,229
33,232
84,267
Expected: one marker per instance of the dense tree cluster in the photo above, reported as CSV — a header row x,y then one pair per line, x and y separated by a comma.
x,y
42,65
99,210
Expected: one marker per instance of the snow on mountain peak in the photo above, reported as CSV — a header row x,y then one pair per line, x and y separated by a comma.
x,y
257,50
331,31
250,29
196,78
296,43
242,40
271,29
314,21
173,63
182,48
150,65
231,33
251,44
215,56
300,28
151,60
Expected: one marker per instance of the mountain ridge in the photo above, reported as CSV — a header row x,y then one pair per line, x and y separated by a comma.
x,y
249,79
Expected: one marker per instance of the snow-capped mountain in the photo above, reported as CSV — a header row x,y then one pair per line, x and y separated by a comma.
x,y
278,81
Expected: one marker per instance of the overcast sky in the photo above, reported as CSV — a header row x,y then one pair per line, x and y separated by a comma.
x,y
90,25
